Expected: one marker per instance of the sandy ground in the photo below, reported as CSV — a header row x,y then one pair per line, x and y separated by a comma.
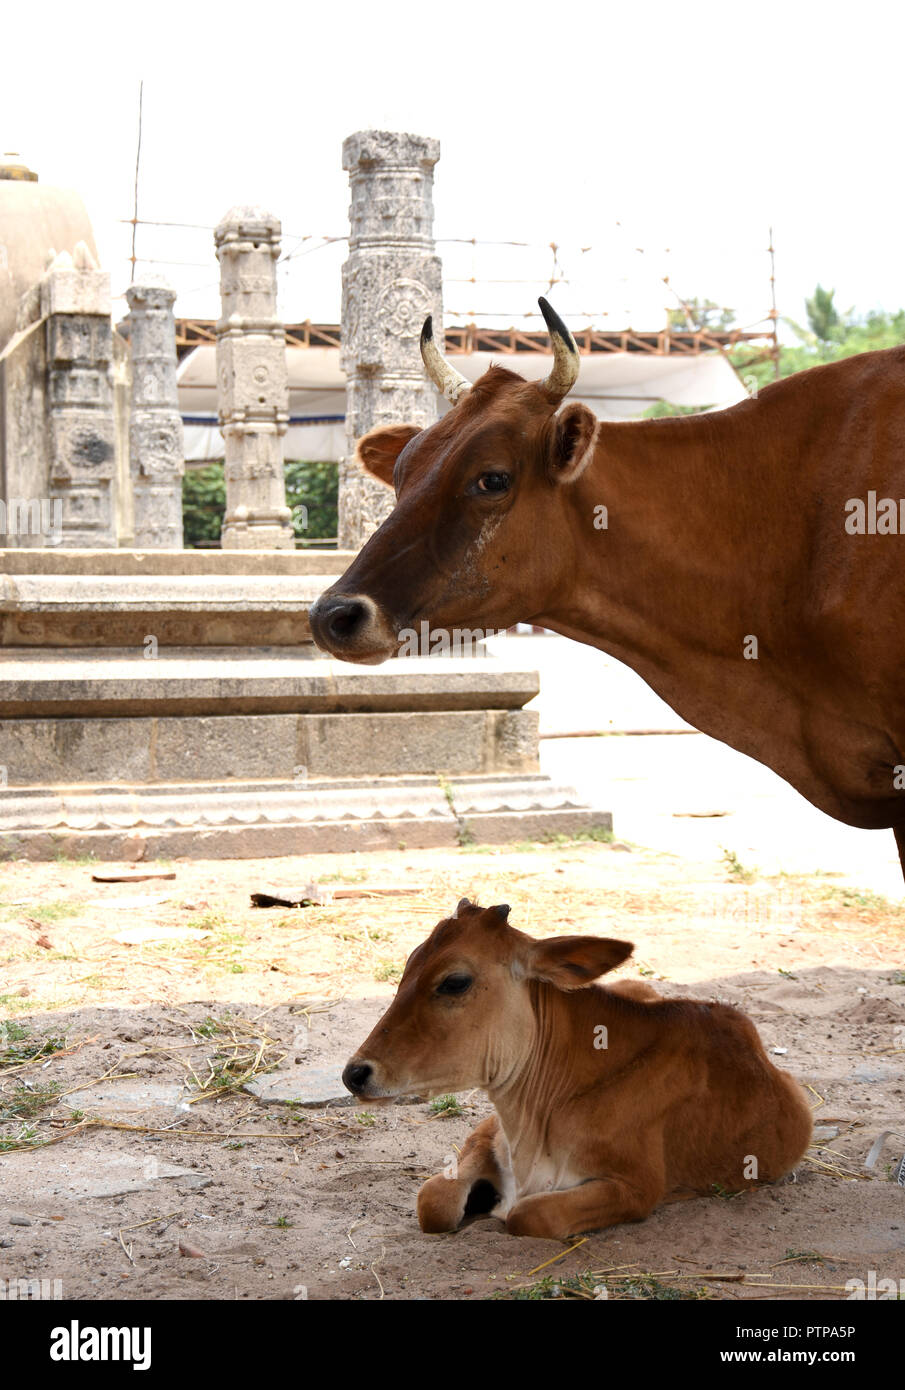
x,y
134,1136
678,790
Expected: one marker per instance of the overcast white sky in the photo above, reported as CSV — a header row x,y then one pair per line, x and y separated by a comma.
x,y
691,127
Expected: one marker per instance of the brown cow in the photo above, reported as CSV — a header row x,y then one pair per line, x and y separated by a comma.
x,y
608,1101
670,544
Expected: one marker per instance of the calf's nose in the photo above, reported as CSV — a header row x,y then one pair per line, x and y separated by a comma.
x,y
356,1077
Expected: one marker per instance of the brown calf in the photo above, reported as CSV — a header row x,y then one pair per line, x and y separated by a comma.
x,y
608,1101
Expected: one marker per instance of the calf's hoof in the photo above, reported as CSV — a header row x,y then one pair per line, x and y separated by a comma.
x,y
441,1204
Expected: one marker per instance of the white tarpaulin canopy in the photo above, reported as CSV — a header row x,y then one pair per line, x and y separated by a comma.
x,y
615,385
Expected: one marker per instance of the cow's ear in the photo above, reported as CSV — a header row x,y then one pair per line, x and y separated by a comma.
x,y
574,439
379,449
572,961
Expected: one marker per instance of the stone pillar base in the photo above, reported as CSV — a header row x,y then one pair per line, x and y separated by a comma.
x,y
243,535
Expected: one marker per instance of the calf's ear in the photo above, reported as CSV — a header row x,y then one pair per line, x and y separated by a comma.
x,y
572,961
378,450
574,438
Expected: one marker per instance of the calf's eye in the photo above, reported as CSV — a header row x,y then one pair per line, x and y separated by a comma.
x,y
454,984
493,482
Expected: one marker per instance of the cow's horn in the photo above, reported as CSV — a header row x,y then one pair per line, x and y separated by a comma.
x,y
445,378
565,356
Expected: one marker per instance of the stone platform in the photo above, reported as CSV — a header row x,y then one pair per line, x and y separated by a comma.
x,y
171,703
122,682
189,598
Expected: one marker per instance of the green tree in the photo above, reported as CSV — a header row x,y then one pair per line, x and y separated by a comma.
x,y
875,330
823,317
829,336
203,504
849,334
312,491
661,409
700,315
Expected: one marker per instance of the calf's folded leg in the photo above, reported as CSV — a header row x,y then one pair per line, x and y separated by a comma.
x,y
473,1186
588,1207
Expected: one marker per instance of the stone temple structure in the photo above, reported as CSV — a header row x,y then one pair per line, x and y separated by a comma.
x,y
252,382
391,281
57,431
91,439
159,701
156,450
35,220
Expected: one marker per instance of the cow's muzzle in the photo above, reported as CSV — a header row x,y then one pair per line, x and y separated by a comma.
x,y
356,1076
352,628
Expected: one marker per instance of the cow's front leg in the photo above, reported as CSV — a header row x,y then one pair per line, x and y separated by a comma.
x,y
472,1187
588,1207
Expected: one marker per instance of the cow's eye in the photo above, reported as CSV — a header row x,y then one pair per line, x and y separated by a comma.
x,y
493,482
454,984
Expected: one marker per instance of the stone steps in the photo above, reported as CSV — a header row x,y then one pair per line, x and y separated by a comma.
x,y
267,564
123,682
229,734
55,610
281,818
191,599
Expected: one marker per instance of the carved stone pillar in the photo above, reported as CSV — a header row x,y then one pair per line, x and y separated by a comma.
x,y
156,445
74,302
391,282
252,382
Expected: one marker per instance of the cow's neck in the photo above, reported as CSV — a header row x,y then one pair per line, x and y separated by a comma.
x,y
562,1053
703,555
663,586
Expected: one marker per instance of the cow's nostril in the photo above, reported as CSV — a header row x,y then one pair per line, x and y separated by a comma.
x,y
345,618
356,1076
